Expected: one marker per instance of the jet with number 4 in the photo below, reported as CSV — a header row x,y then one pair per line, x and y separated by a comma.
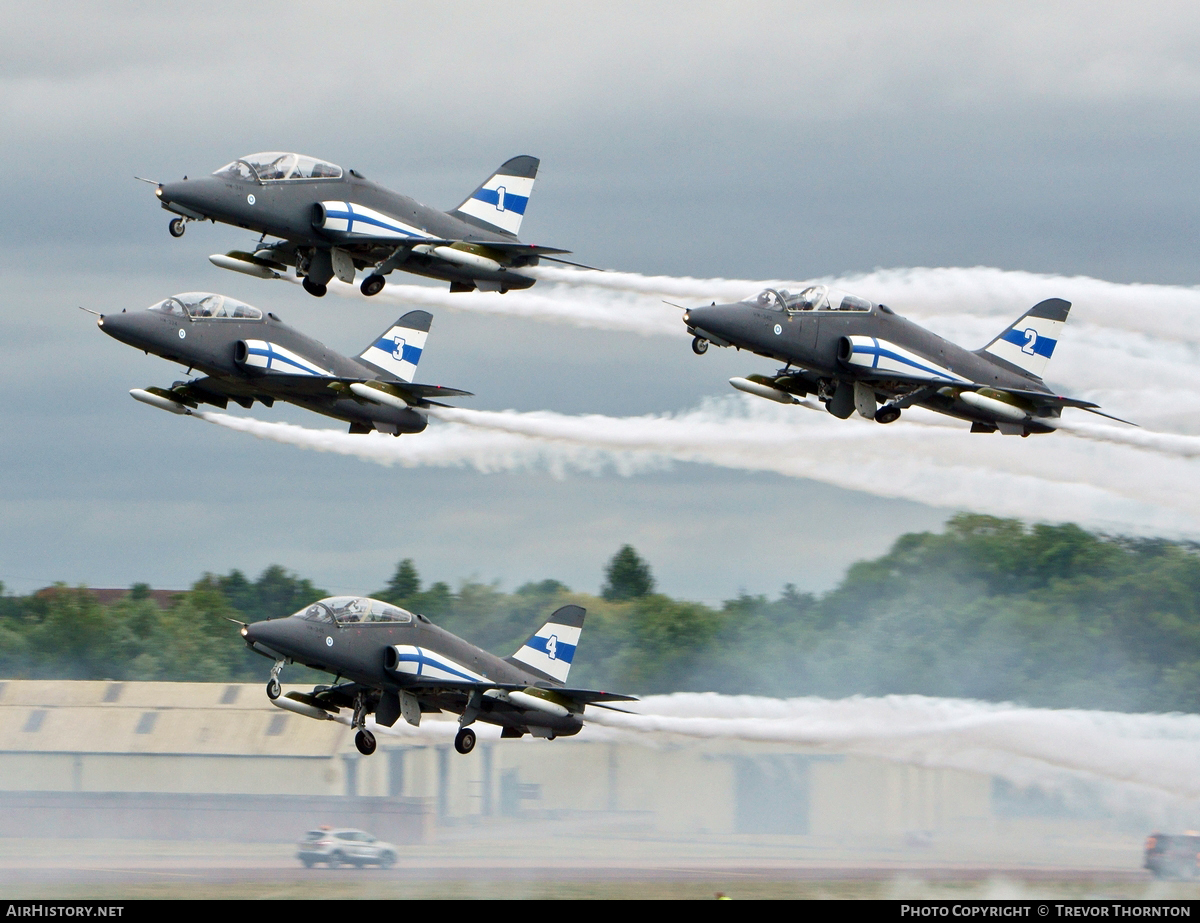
x,y
332,223
396,664
853,354
250,356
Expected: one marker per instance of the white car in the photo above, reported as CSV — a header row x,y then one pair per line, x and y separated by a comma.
x,y
344,846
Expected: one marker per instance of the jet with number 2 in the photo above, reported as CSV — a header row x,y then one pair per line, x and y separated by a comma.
x,y
852,354
396,664
336,223
248,356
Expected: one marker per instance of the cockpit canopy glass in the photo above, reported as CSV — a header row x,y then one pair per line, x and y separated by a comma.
x,y
276,166
207,305
350,609
813,298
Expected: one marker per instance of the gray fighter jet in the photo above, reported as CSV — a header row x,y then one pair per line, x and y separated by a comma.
x,y
334,222
248,356
852,354
398,664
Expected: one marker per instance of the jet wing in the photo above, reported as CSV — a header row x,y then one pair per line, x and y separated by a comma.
x,y
266,390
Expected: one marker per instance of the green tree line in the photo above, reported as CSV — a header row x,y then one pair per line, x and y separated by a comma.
x,y
989,608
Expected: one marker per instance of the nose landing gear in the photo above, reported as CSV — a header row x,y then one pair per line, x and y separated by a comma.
x,y
177,227
273,689
699,346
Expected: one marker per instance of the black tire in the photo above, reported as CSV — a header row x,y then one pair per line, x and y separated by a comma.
x,y
365,741
177,227
273,689
308,863
372,285
464,740
387,860
336,860
699,346
317,291
887,415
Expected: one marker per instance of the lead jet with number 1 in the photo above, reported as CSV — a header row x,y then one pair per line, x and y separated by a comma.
x,y
335,223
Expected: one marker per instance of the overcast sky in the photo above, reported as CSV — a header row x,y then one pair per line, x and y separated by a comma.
x,y
747,140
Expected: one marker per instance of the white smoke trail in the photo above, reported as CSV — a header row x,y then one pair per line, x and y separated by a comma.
x,y
1148,753
1134,761
1089,480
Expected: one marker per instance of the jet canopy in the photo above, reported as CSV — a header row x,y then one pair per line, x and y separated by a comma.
x,y
206,305
350,609
276,166
813,298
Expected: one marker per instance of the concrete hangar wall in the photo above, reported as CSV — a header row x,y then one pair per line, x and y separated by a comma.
x,y
116,755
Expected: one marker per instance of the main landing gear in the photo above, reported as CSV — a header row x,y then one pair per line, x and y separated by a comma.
x,y
177,227
464,740
372,285
887,414
314,288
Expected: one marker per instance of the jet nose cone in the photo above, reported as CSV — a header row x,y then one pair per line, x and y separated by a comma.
x,y
272,634
712,318
128,328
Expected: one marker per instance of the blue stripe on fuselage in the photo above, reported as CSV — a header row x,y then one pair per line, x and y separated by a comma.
x,y
351,217
422,662
273,356
879,352
512,203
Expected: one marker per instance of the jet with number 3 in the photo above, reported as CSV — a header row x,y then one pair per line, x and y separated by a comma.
x,y
855,355
250,356
397,664
335,223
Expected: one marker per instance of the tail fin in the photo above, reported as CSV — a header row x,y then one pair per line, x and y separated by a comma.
x,y
499,204
550,650
398,350
1029,343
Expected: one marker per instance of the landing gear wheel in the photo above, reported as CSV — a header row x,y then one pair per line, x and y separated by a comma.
x,y
887,414
365,741
177,227
699,346
372,285
464,741
313,288
273,689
